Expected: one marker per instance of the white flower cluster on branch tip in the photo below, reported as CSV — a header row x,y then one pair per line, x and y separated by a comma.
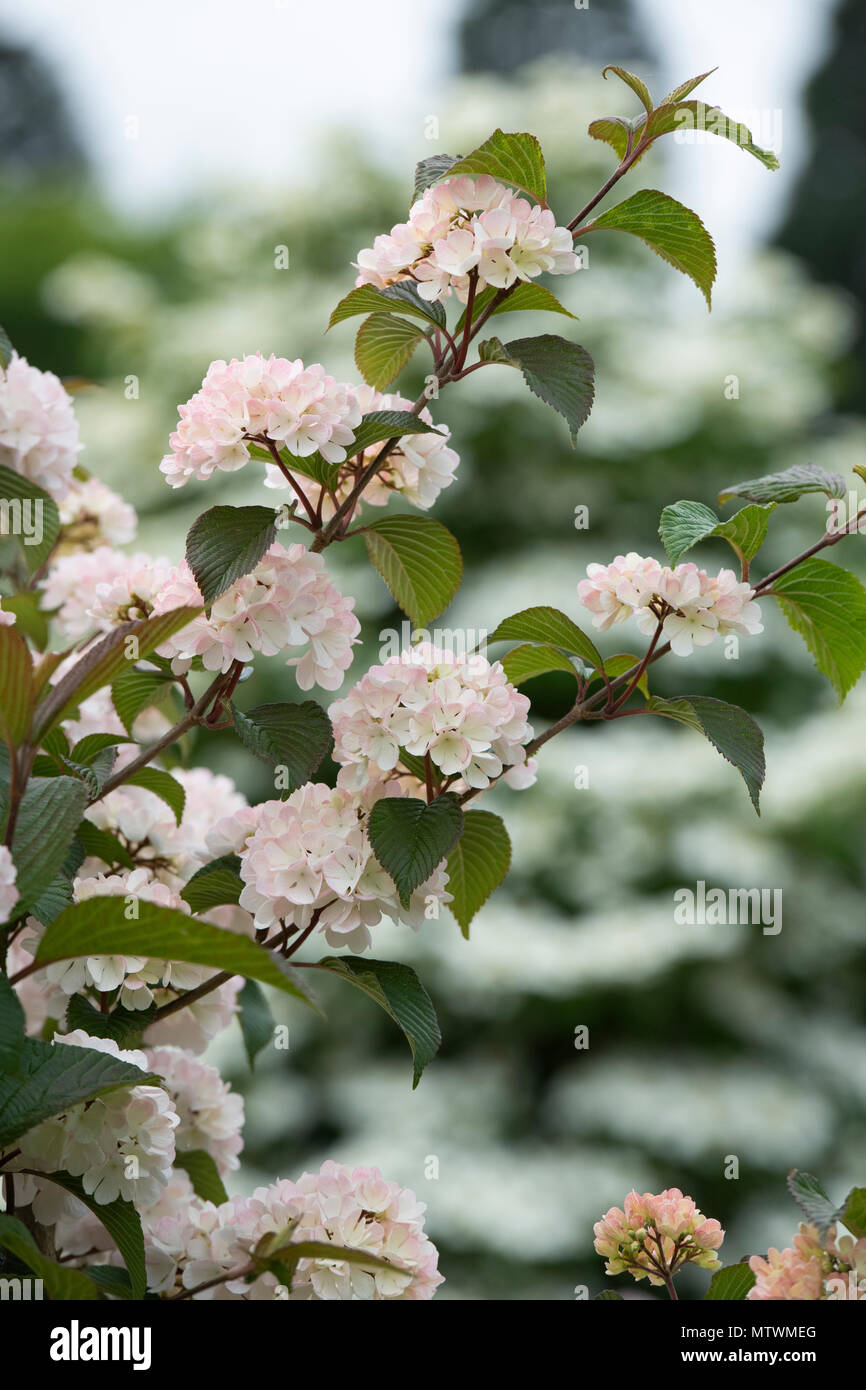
x,y
692,606
466,225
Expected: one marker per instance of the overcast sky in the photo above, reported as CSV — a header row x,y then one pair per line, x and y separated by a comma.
x,y
217,86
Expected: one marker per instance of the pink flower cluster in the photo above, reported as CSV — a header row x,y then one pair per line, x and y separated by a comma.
x,y
310,854
8,891
418,468
466,224
350,1207
287,601
459,709
693,607
38,428
811,1269
210,1113
302,409
656,1235
76,588
92,514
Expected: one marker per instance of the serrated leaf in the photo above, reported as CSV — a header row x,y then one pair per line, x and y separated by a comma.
x,y
16,687
411,838
810,1196
226,543
161,784
638,86
59,1281
827,606
380,425
102,844
134,691
121,1221
684,524
613,131
527,295
30,507
787,486
296,737
125,1026
383,347
560,373
511,158
419,560
99,927
203,1174
396,989
618,665
44,1079
731,1284
852,1212
686,87
52,900
256,1019
367,299
730,730
673,231
697,115
215,885
433,170
526,662
477,864
48,817
550,626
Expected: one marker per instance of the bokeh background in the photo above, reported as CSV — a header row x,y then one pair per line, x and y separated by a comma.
x,y
151,159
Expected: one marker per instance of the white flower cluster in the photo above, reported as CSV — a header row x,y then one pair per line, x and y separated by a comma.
x,y
92,514
8,890
38,428
210,1113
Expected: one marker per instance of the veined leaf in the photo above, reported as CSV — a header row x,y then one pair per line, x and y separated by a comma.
x,y
550,626
296,737
827,606
59,1281
411,838
396,989
729,729
685,524
560,373
477,864
367,299
30,515
226,543
512,159
525,662
383,347
673,231
419,560
787,486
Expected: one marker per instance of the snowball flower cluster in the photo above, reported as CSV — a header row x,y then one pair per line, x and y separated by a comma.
x,y
121,1144
466,224
460,709
692,606
354,1208
8,891
287,601
418,468
38,428
656,1235
92,514
310,853
299,408
833,1270
210,1113
77,581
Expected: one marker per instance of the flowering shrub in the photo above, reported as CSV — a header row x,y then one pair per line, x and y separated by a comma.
x,y
143,906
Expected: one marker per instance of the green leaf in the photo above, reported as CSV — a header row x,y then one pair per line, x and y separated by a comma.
x,y
419,560
121,1221
396,989
28,508
161,784
125,1026
787,486
618,665
686,87
433,170
477,864
6,348
102,844
214,885
852,1212
673,231
614,131
296,737
59,1281
203,1174
639,87
729,729
827,606
53,900
99,927
367,299
550,626
12,1022
257,1021
513,159
731,1284
279,1253
526,295
380,425
524,663
684,524
697,115
608,1296
44,1079
30,619
411,838
383,347
16,687
136,690
111,1280
103,662
48,818
810,1196
226,543
560,373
